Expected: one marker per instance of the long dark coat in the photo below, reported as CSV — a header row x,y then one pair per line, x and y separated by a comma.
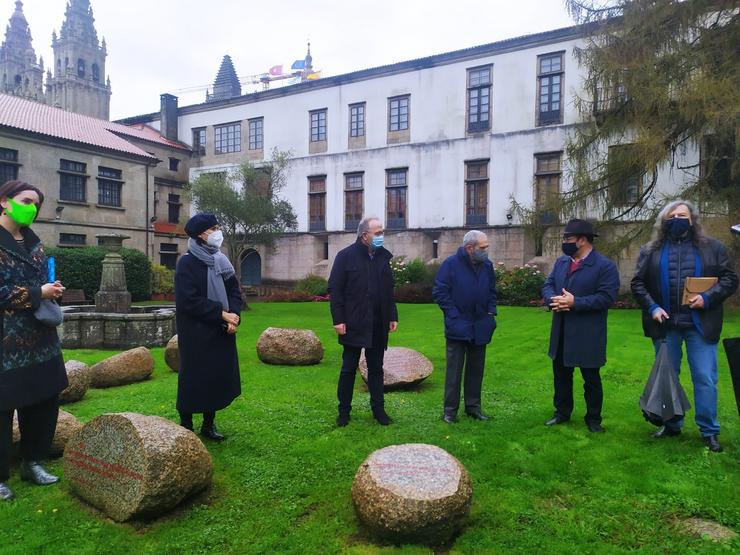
x,y
467,296
348,294
209,369
31,364
594,285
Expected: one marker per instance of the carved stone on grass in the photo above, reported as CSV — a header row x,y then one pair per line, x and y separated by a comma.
x,y
67,426
78,375
414,492
133,466
402,368
288,346
124,368
172,354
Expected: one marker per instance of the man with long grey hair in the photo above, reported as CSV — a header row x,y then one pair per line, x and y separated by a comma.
x,y
363,311
680,250
465,290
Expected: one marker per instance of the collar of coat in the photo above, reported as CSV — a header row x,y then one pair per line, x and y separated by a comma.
x,y
465,257
8,244
381,253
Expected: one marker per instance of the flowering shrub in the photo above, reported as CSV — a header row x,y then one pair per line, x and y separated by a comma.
x,y
519,286
400,271
288,296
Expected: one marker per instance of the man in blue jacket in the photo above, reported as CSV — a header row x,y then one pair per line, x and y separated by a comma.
x,y
580,289
465,290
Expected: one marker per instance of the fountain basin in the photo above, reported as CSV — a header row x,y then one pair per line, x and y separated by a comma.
x,y
148,326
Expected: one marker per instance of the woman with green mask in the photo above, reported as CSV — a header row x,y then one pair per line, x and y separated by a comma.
x,y
32,370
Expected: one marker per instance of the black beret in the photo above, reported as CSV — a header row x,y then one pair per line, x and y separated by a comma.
x,y
199,223
580,227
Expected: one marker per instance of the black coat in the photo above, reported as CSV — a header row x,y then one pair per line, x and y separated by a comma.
x,y
648,287
349,297
594,285
209,369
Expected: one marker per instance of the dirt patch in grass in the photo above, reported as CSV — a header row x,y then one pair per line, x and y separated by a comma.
x,y
708,529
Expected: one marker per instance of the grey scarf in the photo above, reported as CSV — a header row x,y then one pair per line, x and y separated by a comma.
x,y
219,270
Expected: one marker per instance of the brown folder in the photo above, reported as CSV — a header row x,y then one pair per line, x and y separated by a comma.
x,y
695,285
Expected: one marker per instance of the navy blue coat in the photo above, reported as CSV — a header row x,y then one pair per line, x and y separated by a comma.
x,y
594,285
467,297
208,379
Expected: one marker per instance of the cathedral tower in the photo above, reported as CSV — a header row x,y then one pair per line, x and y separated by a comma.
x,y
79,83
20,73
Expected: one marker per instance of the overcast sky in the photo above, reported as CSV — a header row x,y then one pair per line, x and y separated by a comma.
x,y
157,46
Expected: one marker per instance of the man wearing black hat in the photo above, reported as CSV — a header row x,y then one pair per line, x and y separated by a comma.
x,y
208,302
580,289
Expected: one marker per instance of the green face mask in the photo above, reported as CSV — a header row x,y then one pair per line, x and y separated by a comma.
x,y
22,214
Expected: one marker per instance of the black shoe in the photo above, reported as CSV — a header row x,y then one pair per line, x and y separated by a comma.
x,y
477,415
342,420
187,425
557,419
713,444
32,471
594,427
449,418
664,432
209,431
6,493
382,418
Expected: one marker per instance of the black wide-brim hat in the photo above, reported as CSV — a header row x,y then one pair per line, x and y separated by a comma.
x,y
579,227
199,223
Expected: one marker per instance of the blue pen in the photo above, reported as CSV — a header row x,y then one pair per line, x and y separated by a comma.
x,y
51,265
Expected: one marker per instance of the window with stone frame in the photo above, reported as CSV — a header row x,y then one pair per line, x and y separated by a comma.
x,y
353,199
256,133
396,191
173,208
547,174
72,239
549,88
8,165
168,253
476,192
317,203
109,187
72,181
199,141
479,99
625,175
318,125
398,113
227,138
357,120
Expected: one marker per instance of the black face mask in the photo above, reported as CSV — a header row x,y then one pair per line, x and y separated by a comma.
x,y
677,227
569,249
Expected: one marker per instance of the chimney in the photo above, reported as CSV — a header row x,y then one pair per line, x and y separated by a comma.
x,y
168,116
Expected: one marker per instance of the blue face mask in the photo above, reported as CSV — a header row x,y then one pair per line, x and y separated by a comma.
x,y
677,227
480,256
377,242
569,249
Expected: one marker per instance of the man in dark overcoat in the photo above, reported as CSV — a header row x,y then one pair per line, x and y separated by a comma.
x,y
363,311
580,289
208,302
465,290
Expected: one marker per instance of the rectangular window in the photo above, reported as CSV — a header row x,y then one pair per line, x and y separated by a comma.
x,y
625,175
72,181
396,189
256,127
398,113
168,255
479,99
199,141
550,86
317,203
76,239
174,164
318,125
8,165
227,138
173,208
357,120
548,172
353,206
476,192
109,186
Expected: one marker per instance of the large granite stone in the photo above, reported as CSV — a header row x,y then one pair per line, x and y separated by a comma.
x,y
414,493
78,375
402,367
133,466
172,354
289,346
67,426
124,368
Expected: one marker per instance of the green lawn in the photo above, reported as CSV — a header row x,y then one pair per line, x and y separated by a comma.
x,y
282,479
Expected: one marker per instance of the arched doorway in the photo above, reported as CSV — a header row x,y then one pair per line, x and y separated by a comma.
x,y
251,268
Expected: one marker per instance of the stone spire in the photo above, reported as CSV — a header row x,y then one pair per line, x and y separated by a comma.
x,y
17,46
226,84
20,74
79,23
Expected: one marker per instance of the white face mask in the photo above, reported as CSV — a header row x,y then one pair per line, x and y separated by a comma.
x,y
216,239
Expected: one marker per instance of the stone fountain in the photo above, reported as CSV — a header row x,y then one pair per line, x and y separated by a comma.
x,y
115,324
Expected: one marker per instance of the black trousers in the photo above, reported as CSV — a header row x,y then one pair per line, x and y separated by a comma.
x,y
473,358
563,382
187,418
37,424
350,362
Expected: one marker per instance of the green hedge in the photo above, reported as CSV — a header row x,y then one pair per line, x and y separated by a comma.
x,y
80,268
